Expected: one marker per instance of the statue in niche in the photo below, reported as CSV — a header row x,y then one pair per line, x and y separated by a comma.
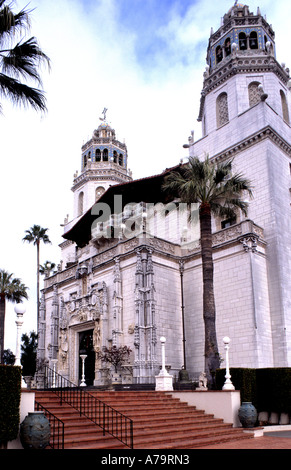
x,y
64,345
97,338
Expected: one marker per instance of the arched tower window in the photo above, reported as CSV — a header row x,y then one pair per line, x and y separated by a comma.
x,y
254,40
284,107
97,155
219,55
242,40
222,109
85,161
115,156
80,203
254,93
227,47
98,192
105,155
120,160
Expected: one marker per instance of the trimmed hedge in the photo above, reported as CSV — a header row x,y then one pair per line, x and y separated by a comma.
x,y
10,392
274,389
268,389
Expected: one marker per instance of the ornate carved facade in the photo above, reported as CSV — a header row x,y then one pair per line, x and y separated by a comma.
x,y
126,287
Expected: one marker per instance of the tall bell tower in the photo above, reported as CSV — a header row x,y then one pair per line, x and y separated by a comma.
x,y
241,66
245,112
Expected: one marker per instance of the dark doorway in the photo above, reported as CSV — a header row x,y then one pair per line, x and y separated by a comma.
x,y
86,347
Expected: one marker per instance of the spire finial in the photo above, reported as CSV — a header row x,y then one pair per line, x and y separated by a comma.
x,y
104,114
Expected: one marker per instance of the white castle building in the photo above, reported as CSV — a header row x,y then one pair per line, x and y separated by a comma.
x,y
131,273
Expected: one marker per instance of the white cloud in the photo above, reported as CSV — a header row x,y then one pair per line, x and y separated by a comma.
x,y
152,100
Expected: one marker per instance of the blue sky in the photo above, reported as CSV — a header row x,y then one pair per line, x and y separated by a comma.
x,y
141,59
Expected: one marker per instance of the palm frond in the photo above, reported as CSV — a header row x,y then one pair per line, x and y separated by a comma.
x,y
21,93
36,234
201,181
21,61
10,22
24,60
12,288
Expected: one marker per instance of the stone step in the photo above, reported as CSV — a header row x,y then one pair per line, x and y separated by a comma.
x,y
159,422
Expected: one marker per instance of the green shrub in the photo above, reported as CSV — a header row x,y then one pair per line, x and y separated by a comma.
x,y
274,389
10,390
267,389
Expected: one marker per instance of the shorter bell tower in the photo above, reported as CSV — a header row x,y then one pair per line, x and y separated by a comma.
x,y
103,163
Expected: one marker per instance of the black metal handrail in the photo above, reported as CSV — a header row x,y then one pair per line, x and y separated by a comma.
x,y
57,437
103,415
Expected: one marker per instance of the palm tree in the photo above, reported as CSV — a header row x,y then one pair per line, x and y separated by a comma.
x,y
217,192
35,235
19,61
46,268
11,289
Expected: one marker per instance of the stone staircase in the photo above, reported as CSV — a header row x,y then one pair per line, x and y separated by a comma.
x,y
160,421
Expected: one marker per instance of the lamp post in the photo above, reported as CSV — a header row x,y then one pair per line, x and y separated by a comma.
x,y
164,381
83,357
163,370
227,384
20,311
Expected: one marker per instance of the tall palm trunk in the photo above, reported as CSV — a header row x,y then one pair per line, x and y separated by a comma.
x,y
2,326
209,313
37,285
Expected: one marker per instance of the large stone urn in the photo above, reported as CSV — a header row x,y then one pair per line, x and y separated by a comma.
x,y
35,431
247,414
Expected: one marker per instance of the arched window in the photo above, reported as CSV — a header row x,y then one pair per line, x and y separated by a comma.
x,y
98,192
254,93
120,160
85,161
242,40
98,156
254,40
284,107
227,47
222,110
80,203
219,55
115,156
105,155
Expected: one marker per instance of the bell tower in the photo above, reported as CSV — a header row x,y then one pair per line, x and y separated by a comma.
x,y
241,66
103,163
245,111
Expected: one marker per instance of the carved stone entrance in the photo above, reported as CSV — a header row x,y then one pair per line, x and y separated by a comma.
x,y
86,347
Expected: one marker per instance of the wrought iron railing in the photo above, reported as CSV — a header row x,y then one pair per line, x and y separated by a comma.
x,y
57,436
103,415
